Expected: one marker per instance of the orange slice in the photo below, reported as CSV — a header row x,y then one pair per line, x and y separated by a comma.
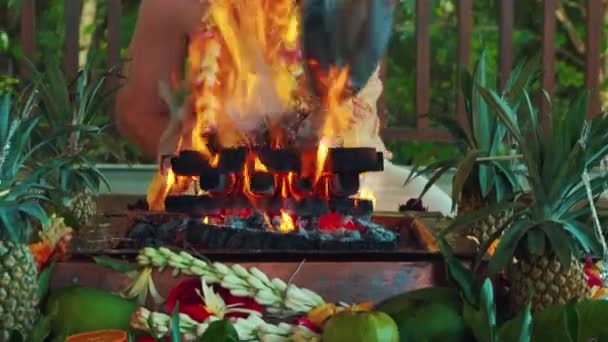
x,y
100,336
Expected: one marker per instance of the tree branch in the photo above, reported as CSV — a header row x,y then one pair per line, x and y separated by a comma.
x,y
575,39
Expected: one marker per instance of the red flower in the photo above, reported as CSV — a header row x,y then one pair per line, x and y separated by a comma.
x,y
592,274
305,322
191,304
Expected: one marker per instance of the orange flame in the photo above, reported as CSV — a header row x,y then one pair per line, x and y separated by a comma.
x,y
287,224
366,194
159,189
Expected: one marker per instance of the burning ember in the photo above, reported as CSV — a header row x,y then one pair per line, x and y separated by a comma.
x,y
257,143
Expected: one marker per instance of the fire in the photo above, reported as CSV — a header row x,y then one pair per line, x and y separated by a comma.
x,y
244,70
287,224
322,153
159,189
206,220
366,194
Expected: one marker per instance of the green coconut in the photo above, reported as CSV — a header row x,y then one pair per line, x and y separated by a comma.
x,y
80,309
360,327
429,314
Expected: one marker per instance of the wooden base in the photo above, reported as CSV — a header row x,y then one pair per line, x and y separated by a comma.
x,y
344,281
337,276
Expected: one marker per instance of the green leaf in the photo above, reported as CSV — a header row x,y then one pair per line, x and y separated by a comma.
x,y
509,242
471,218
481,120
560,244
115,264
536,242
462,174
572,322
176,335
42,329
44,281
220,331
482,322
519,328
458,274
592,317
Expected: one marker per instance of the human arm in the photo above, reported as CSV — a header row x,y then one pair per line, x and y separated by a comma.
x,y
156,54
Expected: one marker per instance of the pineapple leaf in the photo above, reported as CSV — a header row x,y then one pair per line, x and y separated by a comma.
x,y
462,174
176,335
44,280
446,166
10,223
481,121
466,86
460,276
34,210
487,179
471,218
572,321
536,241
509,242
482,321
519,328
504,112
221,331
560,244
583,234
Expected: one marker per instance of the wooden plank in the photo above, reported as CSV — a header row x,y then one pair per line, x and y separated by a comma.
x,y
334,281
27,34
465,30
548,56
72,9
593,54
114,25
409,134
505,30
423,61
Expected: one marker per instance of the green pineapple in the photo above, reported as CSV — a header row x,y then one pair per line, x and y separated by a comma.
x,y
542,248
476,183
80,138
20,210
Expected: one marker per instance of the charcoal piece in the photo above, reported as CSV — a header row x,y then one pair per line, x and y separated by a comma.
x,y
363,207
355,160
203,205
344,184
167,231
144,234
236,241
311,206
262,183
303,185
280,160
189,163
232,160
212,180
342,205
140,204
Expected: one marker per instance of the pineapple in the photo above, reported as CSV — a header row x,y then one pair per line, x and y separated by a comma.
x,y
77,104
20,210
550,230
478,184
83,207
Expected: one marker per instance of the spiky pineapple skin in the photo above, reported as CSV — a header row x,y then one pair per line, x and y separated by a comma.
x,y
483,230
549,282
83,207
18,290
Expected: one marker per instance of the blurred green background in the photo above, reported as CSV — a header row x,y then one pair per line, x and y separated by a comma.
x,y
400,82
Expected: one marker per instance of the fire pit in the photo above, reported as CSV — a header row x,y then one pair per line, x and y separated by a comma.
x,y
264,198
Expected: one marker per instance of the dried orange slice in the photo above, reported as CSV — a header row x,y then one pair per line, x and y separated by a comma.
x,y
99,336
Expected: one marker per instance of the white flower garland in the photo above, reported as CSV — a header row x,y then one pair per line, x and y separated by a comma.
x,y
250,328
274,294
